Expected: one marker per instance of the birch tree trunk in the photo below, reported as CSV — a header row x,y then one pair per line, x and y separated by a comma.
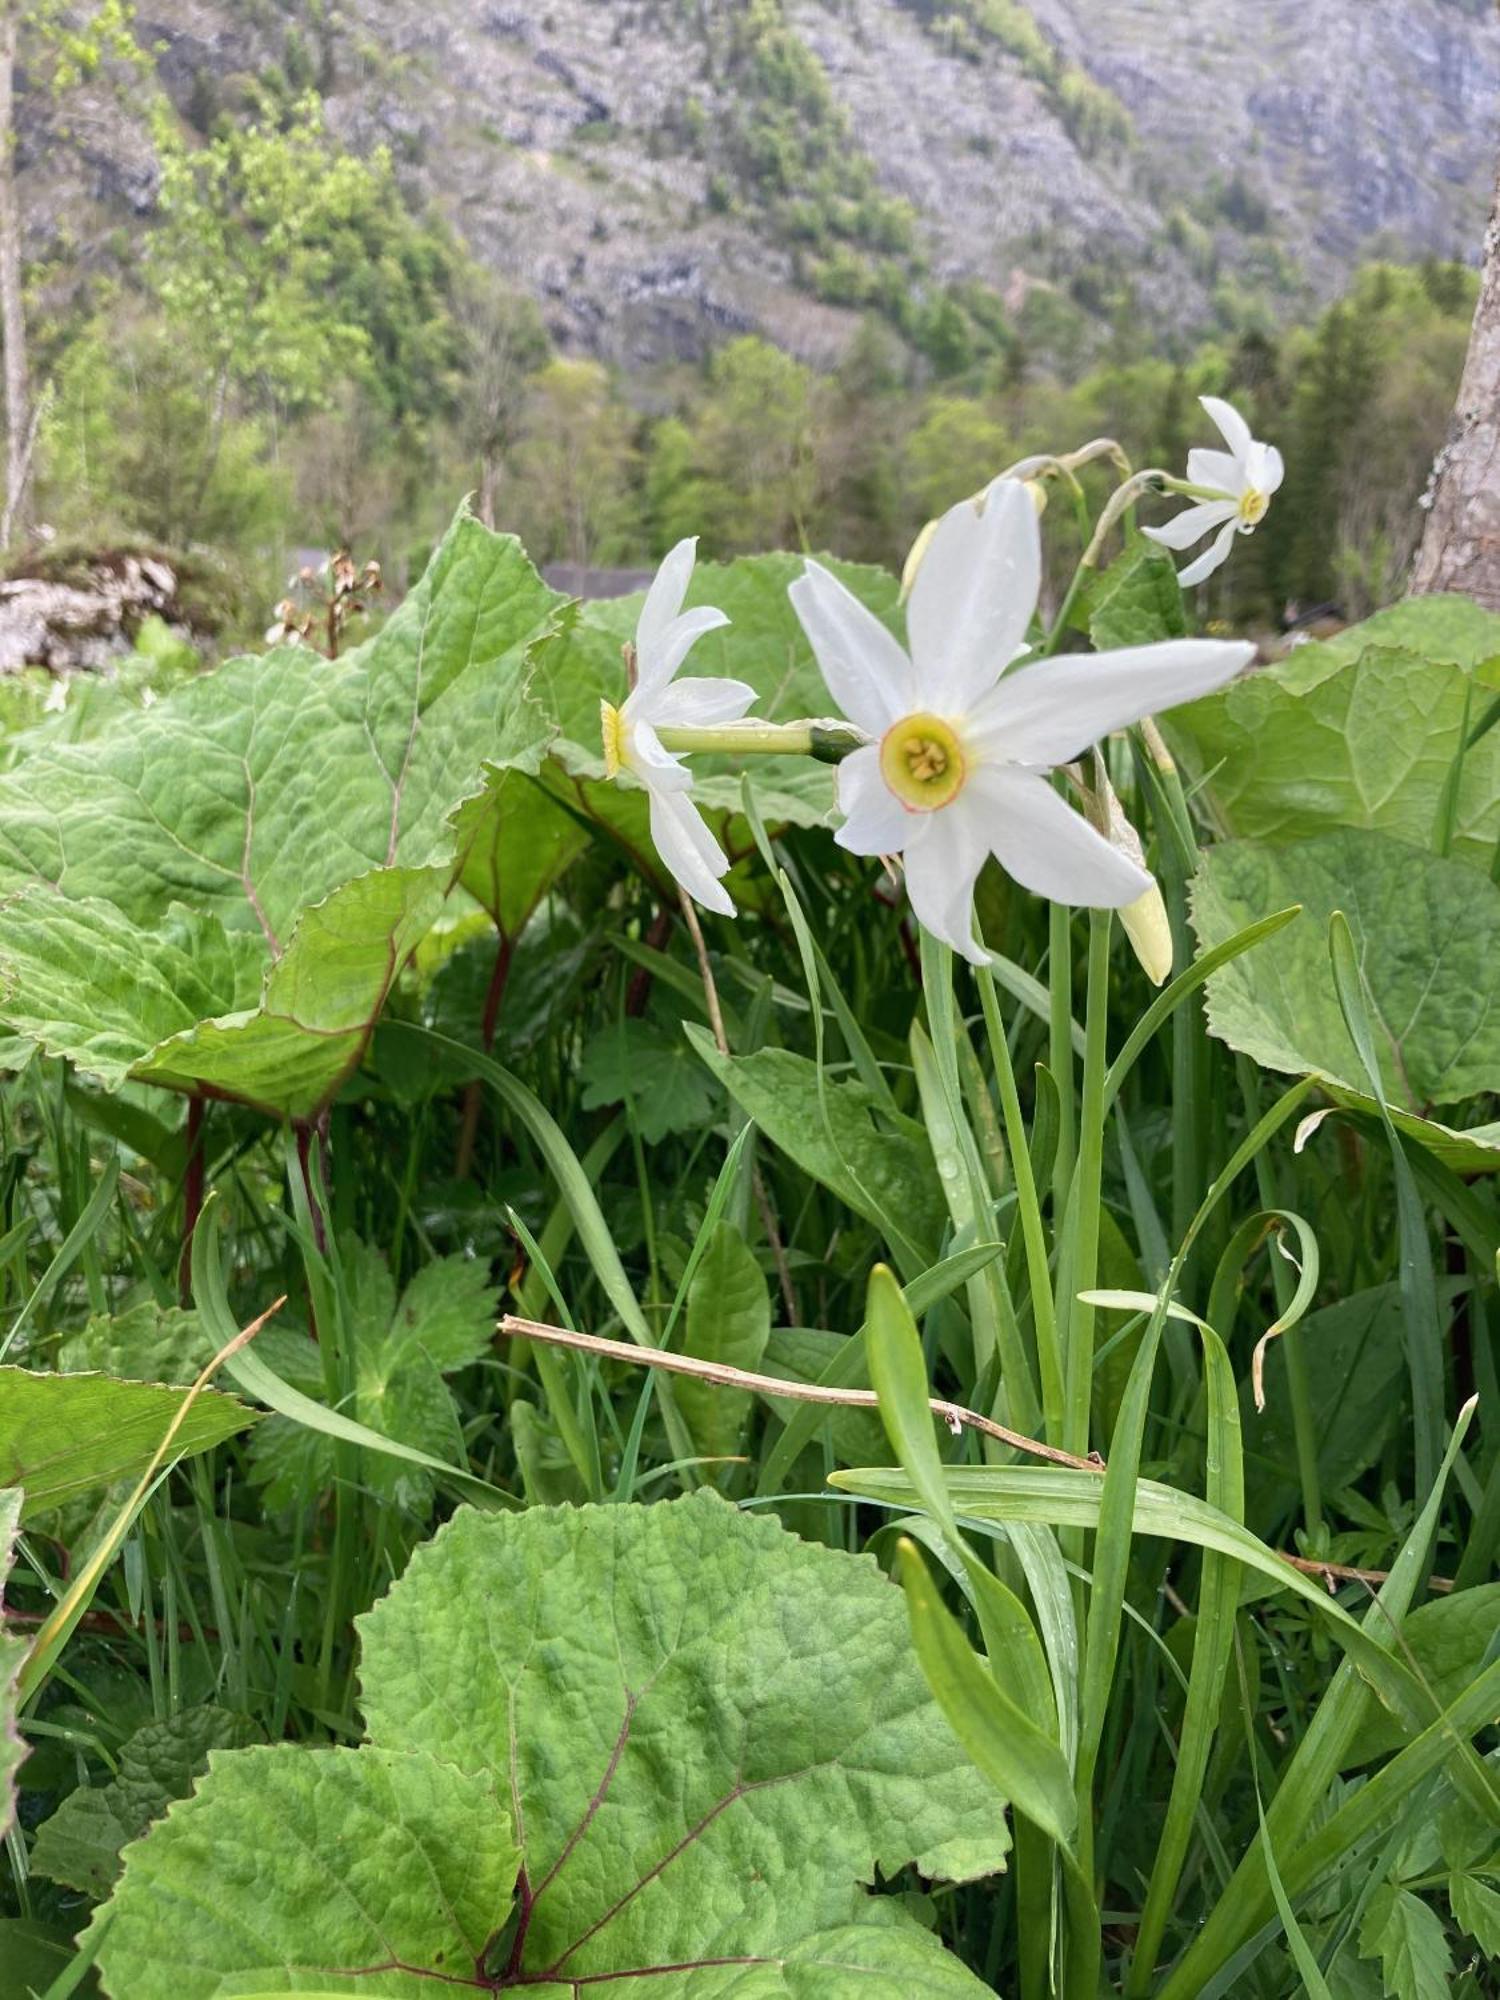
x,y
1461,544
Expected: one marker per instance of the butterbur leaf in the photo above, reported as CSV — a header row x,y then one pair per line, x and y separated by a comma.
x,y
66,1435
219,890
1443,627
1360,732
12,1652
516,842
1408,1939
289,1868
1427,932
80,1844
707,1735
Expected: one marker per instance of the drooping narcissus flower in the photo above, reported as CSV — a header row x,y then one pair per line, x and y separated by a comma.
x,y
664,635
956,768
1233,489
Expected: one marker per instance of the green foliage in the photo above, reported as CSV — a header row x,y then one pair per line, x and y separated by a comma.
x,y
12,1652
755,445
80,1844
145,1343
712,1787
1448,1641
1092,114
1362,732
614,1736
252,943
398,1355
1354,1363
1408,1939
287,263
955,450
790,145
66,1435
1425,929
1362,404
1138,602
883,1171
573,467
132,444
650,1070
728,1321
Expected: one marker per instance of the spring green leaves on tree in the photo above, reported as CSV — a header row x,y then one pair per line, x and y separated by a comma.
x,y
262,229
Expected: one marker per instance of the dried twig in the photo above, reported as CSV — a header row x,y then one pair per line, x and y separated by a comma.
x,y
1334,1573
953,1414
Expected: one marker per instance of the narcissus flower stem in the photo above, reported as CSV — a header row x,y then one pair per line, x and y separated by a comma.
x,y
827,741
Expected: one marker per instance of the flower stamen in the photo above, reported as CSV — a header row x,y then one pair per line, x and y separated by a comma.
x,y
922,761
612,728
1253,505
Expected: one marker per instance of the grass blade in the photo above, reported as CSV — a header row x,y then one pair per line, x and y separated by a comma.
x,y
1419,1299
1213,1643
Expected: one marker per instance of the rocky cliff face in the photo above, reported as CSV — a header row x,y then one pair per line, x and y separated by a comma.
x,y
601,152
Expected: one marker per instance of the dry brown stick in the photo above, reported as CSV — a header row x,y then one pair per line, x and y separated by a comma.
x,y
1342,1573
757,1179
725,1377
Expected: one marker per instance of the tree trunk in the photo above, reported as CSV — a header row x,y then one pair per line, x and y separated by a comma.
x,y
1461,545
489,487
12,302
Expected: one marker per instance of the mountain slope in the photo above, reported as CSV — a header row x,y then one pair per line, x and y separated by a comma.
x,y
658,171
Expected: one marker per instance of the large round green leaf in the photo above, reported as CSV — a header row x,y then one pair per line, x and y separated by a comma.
x,y
1428,936
661,1750
216,893
1360,732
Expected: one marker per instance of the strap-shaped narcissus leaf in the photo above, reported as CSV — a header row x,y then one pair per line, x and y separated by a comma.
x,y
658,1751
12,1652
217,892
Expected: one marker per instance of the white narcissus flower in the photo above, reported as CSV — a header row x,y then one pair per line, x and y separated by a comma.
x,y
1236,488
956,769
663,637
